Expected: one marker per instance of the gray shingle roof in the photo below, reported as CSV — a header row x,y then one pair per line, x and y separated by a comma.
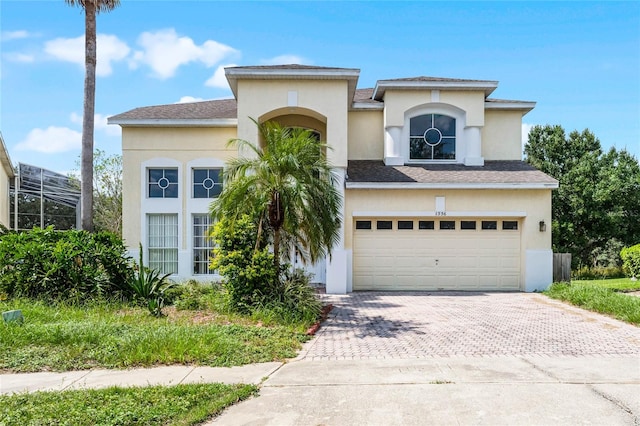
x,y
292,67
223,108
493,172
437,79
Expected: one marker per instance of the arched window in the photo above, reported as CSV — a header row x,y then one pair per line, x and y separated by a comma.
x,y
432,137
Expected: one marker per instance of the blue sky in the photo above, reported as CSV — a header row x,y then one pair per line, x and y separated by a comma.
x,y
580,61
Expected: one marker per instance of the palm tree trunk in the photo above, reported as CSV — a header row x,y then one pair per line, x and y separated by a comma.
x,y
276,250
86,162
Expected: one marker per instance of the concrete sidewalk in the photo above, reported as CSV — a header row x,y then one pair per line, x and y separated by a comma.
x,y
169,375
447,391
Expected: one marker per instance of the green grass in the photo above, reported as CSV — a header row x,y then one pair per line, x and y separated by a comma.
x,y
62,337
603,296
157,405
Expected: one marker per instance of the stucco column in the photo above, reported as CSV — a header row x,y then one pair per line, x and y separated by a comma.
x,y
337,264
473,142
392,146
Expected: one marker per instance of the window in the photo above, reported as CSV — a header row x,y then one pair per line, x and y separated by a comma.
x,y
432,137
163,183
163,243
363,224
207,183
447,224
510,224
202,244
384,224
489,224
405,224
426,224
468,224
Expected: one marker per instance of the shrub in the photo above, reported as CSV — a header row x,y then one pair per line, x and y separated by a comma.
x,y
597,273
631,260
148,286
69,265
194,296
247,267
294,300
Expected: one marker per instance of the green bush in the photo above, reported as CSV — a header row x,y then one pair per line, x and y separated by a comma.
x,y
631,260
597,273
247,267
294,300
194,295
69,265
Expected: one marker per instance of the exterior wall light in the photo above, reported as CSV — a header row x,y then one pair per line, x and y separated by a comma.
x,y
543,226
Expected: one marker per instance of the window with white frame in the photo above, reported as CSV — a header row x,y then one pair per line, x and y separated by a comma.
x,y
207,183
202,244
163,243
163,182
432,137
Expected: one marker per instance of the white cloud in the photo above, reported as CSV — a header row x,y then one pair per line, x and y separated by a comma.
x,y
218,79
189,99
51,140
165,51
286,60
19,57
99,124
14,35
109,49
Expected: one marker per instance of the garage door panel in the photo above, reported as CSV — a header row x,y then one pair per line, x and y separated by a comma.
x,y
436,259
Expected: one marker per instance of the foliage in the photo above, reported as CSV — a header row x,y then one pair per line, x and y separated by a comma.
x,y
597,273
149,287
62,337
186,404
631,260
194,295
617,284
242,258
598,200
294,299
599,299
288,185
73,265
107,192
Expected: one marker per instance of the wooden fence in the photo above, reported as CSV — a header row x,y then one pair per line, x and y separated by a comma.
x,y
561,267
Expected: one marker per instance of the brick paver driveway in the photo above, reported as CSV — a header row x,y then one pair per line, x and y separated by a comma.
x,y
420,325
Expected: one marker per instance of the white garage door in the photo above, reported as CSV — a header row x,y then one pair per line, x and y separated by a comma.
x,y
438,254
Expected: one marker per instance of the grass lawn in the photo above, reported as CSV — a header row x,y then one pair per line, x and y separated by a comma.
x,y
157,405
603,296
60,337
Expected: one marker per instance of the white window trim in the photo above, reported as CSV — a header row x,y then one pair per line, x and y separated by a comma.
x,y
434,108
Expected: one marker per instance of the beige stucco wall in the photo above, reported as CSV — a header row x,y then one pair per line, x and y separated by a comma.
x,y
324,100
501,135
4,197
180,144
535,203
366,135
397,102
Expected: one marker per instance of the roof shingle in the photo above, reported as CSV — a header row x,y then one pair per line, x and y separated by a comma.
x,y
216,109
493,172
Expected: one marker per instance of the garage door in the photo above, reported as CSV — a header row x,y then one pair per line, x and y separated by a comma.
x,y
439,254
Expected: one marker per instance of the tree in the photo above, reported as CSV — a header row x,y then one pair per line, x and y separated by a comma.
x,y
91,9
598,202
288,186
107,192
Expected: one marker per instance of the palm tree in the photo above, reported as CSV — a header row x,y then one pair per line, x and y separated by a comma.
x,y
91,9
288,186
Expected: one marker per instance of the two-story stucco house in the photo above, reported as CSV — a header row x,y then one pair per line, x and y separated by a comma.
x,y
435,193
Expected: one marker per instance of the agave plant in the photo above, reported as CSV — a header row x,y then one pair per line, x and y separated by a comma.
x,y
149,286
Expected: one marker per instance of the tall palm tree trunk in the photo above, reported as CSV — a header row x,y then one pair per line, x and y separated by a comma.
x,y
86,162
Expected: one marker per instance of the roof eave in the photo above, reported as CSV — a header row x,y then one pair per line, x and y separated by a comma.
x,y
525,107
450,185
381,86
164,122
5,159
